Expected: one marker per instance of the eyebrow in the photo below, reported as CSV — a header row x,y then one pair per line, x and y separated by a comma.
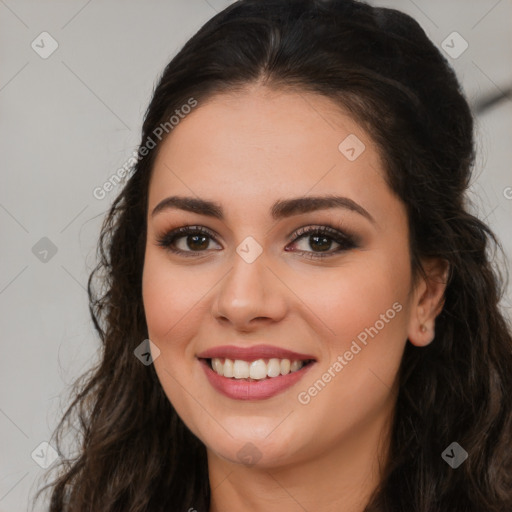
x,y
282,208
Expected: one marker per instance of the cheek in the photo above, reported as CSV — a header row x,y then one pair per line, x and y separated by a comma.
x,y
158,293
168,305
167,295
367,311
351,299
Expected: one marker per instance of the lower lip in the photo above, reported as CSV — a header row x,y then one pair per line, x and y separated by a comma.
x,y
239,389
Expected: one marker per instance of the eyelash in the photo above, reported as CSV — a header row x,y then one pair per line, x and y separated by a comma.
x,y
345,241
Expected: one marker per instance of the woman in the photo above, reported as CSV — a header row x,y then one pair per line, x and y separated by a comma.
x,y
339,344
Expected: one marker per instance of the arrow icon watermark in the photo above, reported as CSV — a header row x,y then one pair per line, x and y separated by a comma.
x,y
351,147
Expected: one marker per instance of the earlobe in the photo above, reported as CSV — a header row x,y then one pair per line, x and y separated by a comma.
x,y
428,301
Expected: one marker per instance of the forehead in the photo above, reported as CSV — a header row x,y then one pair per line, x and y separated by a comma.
x,y
268,135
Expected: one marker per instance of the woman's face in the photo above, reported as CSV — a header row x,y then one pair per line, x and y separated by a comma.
x,y
253,282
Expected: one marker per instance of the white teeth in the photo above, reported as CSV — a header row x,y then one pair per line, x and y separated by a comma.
x,y
228,367
295,365
240,369
218,366
256,370
274,368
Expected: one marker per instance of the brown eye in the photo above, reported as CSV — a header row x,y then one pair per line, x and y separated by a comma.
x,y
320,239
196,239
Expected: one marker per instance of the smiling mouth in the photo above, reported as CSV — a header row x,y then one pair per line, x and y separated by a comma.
x,y
257,370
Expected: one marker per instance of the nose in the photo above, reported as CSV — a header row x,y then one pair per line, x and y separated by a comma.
x,y
249,295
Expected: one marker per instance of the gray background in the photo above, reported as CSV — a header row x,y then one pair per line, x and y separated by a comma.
x,y
69,121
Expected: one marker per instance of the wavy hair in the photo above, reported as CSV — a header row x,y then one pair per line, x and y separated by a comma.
x,y
133,452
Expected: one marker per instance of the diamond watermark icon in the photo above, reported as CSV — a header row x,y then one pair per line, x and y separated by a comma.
x,y
44,455
249,454
44,250
454,455
44,45
249,249
454,45
351,147
147,352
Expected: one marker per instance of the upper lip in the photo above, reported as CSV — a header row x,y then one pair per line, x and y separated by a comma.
x,y
253,353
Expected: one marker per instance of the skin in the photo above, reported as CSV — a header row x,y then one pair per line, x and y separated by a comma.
x,y
246,150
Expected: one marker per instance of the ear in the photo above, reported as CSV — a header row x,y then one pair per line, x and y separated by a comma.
x,y
428,301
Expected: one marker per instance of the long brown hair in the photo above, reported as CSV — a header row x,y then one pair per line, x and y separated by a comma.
x,y
134,453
